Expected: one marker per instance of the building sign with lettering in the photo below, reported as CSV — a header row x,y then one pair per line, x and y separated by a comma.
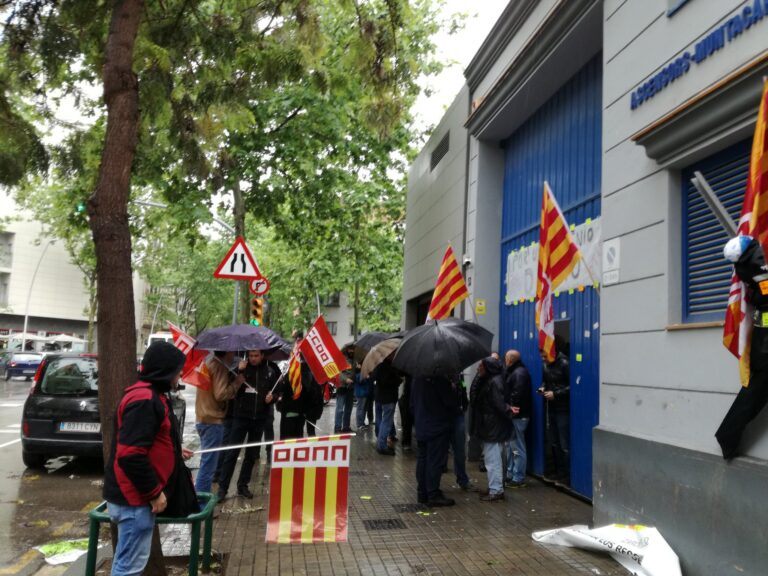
x,y
747,16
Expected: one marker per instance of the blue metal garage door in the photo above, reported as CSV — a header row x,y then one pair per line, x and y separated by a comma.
x,y
560,143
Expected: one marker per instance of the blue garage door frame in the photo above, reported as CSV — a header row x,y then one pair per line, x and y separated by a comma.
x,y
560,143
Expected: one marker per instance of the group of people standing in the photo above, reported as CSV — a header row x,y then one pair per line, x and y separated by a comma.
x,y
498,411
240,407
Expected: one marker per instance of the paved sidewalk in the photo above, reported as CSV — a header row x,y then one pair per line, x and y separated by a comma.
x,y
470,538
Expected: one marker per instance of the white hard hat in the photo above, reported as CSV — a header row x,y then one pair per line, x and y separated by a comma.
x,y
735,247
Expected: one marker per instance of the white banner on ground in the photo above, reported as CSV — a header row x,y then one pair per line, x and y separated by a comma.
x,y
640,549
522,264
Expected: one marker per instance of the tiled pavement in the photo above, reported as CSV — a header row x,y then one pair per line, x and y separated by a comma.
x,y
470,538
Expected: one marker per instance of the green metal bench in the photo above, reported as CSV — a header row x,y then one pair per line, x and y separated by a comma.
x,y
207,503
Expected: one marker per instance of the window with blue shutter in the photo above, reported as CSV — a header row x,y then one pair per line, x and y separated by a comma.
x,y
706,274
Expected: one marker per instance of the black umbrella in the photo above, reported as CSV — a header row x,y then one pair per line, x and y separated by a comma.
x,y
367,341
243,337
442,348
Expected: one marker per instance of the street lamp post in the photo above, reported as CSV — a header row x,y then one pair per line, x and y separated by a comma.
x,y
218,221
29,295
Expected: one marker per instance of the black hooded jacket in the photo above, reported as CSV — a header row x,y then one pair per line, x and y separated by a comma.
x,y
145,444
490,414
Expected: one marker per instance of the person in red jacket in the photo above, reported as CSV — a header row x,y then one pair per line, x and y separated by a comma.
x,y
143,457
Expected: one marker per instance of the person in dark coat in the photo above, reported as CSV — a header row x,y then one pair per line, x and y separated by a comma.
x,y
517,382
459,434
749,265
433,405
490,419
387,379
142,457
556,389
306,407
250,413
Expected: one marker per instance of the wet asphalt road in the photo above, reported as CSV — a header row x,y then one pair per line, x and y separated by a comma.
x,y
37,507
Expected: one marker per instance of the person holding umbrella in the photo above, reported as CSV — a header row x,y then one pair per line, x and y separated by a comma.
x,y
250,413
434,404
387,381
210,410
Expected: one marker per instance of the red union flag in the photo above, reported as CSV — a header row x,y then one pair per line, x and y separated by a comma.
x,y
558,254
321,353
195,371
308,490
737,332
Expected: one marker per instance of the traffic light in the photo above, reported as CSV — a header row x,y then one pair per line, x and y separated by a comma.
x,y
257,311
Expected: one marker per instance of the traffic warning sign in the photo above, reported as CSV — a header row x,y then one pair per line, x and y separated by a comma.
x,y
238,264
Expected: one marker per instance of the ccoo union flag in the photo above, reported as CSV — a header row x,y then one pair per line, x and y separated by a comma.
x,y
308,489
558,254
321,353
450,288
753,222
195,371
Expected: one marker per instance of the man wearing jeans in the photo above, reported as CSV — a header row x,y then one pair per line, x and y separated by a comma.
x,y
210,410
387,379
344,399
518,397
143,457
490,419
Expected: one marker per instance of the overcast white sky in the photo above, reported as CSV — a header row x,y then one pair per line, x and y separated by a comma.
x,y
459,48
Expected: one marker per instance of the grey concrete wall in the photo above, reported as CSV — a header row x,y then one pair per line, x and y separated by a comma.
x,y
671,386
435,206
665,390
484,230
712,515
517,43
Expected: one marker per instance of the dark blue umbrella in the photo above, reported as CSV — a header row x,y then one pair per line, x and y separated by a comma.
x,y
442,348
243,337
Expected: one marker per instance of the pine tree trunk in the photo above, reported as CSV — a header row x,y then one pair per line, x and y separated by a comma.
x,y
108,211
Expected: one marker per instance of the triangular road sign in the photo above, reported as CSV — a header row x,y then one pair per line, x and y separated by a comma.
x,y
238,264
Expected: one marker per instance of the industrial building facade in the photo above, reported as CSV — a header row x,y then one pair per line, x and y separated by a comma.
x,y
616,104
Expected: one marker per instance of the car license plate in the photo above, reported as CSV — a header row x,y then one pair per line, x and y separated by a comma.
x,y
29,371
79,427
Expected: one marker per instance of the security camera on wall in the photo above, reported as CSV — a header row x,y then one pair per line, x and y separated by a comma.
x,y
466,260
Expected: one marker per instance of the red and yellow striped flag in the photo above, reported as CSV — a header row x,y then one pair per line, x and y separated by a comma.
x,y
450,288
558,254
294,375
308,490
737,332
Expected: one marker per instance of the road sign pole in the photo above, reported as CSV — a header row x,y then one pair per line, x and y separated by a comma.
x,y
234,304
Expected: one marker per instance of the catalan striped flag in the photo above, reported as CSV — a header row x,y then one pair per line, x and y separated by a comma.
x,y
558,254
450,288
294,375
737,332
308,490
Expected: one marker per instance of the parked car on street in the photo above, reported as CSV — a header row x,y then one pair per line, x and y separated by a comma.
x,y
19,364
61,414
